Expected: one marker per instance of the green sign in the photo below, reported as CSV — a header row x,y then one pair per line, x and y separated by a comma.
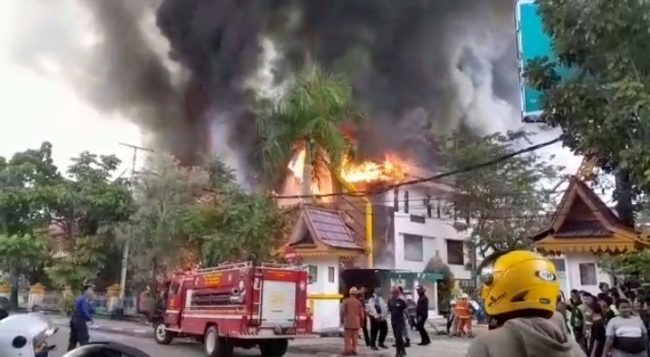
x,y
429,277
532,42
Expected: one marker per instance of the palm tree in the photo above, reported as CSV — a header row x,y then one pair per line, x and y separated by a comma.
x,y
312,113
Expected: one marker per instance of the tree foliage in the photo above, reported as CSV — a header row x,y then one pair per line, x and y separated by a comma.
x,y
503,204
603,105
198,215
312,113
629,264
446,285
171,216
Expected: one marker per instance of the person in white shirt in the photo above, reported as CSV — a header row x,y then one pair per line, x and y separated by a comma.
x,y
378,311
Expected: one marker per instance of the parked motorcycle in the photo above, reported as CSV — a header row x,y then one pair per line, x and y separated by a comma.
x,y
26,336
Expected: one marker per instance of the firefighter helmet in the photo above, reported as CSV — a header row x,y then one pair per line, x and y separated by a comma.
x,y
518,280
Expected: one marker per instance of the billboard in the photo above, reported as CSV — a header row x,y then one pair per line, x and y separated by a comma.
x,y
532,42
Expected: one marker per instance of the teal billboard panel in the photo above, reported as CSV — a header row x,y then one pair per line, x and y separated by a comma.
x,y
532,42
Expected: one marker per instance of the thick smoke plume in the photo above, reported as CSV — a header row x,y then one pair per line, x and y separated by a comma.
x,y
419,68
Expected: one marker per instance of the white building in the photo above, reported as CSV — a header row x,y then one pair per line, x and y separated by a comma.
x,y
423,227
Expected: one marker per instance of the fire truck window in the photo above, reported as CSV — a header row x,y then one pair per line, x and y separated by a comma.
x,y
173,290
313,274
210,298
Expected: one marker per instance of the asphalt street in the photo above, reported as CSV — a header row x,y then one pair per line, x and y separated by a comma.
x,y
444,346
184,348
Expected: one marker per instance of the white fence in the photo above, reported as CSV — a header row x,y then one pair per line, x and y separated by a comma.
x,y
54,301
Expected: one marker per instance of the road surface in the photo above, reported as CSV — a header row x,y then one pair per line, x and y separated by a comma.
x,y
446,347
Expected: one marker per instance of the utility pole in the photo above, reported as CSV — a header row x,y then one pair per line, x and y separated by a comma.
x,y
125,250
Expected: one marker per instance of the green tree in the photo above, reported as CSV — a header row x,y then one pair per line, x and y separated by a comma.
x,y
197,215
23,179
88,206
21,255
445,286
310,113
603,106
502,204
163,193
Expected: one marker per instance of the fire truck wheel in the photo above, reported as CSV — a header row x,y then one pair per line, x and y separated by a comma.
x,y
161,335
216,346
274,348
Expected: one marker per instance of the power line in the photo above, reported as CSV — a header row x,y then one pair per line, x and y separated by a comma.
x,y
384,189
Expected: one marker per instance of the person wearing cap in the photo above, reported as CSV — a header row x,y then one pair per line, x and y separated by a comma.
x,y
352,316
397,308
520,290
464,316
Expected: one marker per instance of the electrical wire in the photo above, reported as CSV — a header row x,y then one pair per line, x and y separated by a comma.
x,y
439,176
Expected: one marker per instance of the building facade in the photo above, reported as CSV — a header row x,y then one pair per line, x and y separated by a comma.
x,y
424,227
584,229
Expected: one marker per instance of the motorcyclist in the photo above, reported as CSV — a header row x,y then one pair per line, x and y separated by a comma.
x,y
520,289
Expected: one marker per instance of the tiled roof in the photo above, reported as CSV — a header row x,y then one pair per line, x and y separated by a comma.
x,y
329,227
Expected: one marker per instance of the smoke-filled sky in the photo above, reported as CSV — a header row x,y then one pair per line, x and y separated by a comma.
x,y
189,73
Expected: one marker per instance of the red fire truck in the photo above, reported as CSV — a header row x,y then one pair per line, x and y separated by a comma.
x,y
238,305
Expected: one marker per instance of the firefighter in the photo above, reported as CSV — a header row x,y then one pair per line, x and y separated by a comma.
x,y
520,289
464,314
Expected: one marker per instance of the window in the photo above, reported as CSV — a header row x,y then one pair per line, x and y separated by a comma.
x,y
587,273
330,274
313,274
417,218
413,248
406,202
455,252
559,264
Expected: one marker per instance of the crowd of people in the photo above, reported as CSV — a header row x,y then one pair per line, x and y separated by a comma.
x,y
358,311
615,321
529,316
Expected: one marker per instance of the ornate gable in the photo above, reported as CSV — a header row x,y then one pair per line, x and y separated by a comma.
x,y
584,223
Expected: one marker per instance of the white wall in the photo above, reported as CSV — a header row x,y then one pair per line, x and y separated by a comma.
x,y
570,277
322,284
573,272
326,313
435,232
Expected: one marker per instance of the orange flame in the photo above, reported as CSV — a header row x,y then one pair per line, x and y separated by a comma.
x,y
391,170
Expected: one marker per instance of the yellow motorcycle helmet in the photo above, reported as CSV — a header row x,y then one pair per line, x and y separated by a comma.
x,y
518,280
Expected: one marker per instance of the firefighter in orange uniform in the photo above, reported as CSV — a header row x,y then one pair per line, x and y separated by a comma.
x,y
463,313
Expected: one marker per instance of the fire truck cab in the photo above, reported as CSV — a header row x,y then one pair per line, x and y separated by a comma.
x,y
238,305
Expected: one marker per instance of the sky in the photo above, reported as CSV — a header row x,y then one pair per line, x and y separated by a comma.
x,y
37,106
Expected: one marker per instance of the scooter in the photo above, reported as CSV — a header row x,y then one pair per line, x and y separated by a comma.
x,y
26,336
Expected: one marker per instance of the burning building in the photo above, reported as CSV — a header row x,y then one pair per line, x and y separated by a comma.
x,y
359,217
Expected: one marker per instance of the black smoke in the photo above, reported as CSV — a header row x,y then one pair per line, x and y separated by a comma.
x,y
127,76
420,68
404,58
